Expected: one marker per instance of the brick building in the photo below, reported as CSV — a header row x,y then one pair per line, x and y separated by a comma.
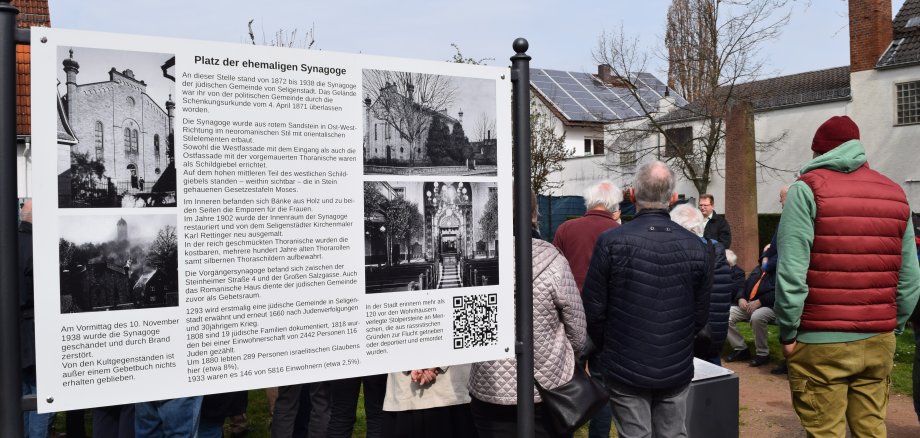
x,y
117,123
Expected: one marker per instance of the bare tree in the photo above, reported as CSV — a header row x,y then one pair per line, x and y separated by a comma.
x,y
712,46
485,127
458,57
283,38
407,101
163,252
547,149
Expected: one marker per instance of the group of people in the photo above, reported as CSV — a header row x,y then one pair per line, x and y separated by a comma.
x,y
840,278
635,302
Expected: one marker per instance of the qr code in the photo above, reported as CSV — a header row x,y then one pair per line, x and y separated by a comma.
x,y
475,321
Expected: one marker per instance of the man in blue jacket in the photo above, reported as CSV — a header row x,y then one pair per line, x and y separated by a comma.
x,y
646,298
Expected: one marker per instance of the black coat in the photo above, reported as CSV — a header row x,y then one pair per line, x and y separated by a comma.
x,y
718,228
720,301
646,296
26,297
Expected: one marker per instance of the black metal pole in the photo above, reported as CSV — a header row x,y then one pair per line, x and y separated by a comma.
x,y
520,81
10,372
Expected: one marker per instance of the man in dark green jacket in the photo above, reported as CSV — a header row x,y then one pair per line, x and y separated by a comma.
x,y
849,279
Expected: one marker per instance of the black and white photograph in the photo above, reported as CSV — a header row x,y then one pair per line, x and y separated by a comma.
x,y
118,262
430,235
115,114
428,124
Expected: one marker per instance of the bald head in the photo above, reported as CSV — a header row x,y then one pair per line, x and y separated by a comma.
x,y
654,186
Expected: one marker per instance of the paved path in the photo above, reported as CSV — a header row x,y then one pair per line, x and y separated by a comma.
x,y
766,407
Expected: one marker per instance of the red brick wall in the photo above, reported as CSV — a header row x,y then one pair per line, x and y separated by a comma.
x,y
870,32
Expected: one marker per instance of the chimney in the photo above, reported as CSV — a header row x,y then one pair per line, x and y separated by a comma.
x,y
870,32
603,73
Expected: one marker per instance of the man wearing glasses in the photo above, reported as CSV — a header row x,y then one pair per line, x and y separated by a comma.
x,y
716,226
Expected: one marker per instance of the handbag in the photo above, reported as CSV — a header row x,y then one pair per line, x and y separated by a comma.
x,y
572,404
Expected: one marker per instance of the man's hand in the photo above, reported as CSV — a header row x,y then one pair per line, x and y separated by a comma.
x,y
789,348
743,304
752,306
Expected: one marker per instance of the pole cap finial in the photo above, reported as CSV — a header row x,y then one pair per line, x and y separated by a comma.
x,y
520,45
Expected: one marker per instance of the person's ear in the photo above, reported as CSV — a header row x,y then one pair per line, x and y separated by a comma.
x,y
673,198
632,195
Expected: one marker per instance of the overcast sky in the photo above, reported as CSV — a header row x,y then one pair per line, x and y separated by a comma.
x,y
561,34
96,63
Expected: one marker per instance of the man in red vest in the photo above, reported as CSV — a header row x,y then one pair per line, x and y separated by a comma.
x,y
848,280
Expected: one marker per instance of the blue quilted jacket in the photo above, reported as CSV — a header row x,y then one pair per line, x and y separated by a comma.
x,y
720,300
646,296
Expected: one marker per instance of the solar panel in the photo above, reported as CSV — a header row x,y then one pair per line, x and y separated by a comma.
x,y
582,97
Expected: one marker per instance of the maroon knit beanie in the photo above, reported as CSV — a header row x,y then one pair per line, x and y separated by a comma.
x,y
834,132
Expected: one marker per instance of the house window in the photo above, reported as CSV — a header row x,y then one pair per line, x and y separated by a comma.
x,y
386,131
130,141
156,148
594,146
375,130
100,143
908,103
678,141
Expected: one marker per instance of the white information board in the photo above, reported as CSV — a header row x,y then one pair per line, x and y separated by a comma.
x,y
215,217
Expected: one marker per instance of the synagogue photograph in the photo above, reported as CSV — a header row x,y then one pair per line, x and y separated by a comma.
x,y
430,235
428,124
115,113
118,262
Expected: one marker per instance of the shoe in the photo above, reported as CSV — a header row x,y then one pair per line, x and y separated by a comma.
x,y
738,355
759,360
781,369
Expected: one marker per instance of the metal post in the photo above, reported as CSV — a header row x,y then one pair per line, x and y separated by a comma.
x,y
10,372
520,81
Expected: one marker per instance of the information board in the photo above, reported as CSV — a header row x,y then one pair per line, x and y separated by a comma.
x,y
215,217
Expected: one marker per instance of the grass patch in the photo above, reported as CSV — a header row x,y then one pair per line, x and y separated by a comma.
x,y
260,420
901,374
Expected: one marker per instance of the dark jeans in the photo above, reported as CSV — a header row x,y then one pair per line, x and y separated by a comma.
x,y
301,411
599,427
500,421
113,422
344,400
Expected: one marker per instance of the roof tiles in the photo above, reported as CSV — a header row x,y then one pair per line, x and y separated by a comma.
x,y
31,13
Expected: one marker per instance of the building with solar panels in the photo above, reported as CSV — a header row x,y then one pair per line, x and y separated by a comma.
x,y
585,105
879,90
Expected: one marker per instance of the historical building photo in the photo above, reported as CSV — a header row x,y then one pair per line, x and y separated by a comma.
x,y
426,124
115,129
430,235
118,262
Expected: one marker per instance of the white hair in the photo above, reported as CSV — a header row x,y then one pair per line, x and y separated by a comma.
x,y
688,217
731,257
603,194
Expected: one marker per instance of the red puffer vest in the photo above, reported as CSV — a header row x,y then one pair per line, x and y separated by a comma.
x,y
856,256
